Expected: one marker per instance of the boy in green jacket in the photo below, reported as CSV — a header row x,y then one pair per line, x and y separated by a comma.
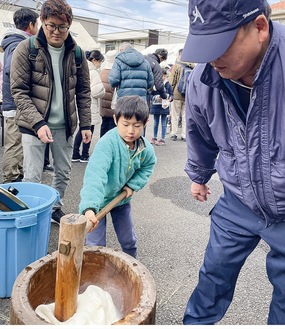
x,y
122,160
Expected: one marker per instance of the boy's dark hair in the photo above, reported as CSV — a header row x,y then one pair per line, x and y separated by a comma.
x,y
23,17
129,106
94,54
58,8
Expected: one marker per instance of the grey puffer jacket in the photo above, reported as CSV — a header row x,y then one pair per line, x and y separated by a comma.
x,y
250,159
32,87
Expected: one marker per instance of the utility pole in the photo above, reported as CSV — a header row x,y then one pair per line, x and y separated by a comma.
x,y
38,4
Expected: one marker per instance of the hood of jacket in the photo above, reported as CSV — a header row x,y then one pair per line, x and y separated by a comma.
x,y
131,57
13,35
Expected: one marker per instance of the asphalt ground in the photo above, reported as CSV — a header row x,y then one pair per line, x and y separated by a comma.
x,y
172,230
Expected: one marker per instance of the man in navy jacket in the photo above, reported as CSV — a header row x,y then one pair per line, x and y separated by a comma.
x,y
235,113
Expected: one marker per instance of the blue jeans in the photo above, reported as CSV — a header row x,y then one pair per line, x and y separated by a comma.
x,y
77,144
124,228
163,120
235,232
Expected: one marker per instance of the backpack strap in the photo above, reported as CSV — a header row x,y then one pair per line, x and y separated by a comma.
x,y
33,51
78,56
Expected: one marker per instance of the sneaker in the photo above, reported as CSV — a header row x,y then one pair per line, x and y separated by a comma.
x,y
18,179
161,142
56,216
173,137
153,140
48,168
84,159
75,159
183,139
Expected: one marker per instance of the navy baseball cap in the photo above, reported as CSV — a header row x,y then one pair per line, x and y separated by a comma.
x,y
214,25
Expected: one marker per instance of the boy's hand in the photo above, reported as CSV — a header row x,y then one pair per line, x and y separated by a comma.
x,y
90,215
130,192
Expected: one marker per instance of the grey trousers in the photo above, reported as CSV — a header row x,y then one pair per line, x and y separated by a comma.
x,y
34,154
13,152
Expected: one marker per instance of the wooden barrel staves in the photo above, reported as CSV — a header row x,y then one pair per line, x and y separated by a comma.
x,y
130,284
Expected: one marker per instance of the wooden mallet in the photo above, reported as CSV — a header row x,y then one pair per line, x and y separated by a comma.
x,y
73,228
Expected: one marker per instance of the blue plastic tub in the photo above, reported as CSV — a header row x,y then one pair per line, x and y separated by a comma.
x,y
24,234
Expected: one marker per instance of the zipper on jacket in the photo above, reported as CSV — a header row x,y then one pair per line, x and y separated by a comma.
x,y
136,154
243,114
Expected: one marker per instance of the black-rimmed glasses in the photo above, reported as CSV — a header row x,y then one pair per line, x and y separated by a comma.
x,y
60,28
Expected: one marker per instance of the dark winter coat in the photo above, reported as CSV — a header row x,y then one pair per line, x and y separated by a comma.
x,y
153,60
10,41
32,87
158,109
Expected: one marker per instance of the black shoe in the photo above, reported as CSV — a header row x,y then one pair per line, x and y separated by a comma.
x,y
56,216
84,159
75,159
18,179
173,138
48,168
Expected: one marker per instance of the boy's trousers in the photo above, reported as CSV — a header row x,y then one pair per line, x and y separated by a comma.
x,y
124,228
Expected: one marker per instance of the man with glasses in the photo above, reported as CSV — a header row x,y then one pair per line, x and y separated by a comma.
x,y
50,94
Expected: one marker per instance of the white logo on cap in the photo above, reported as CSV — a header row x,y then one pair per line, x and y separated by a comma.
x,y
197,14
250,13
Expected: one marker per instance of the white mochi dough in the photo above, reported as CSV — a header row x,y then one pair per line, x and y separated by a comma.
x,y
94,306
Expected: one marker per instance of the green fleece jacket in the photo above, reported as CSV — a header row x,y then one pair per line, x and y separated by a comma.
x,y
111,167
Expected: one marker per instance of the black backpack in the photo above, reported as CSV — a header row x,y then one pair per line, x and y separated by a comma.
x,y
33,52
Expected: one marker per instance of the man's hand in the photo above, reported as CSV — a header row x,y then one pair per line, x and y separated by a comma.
x,y
200,191
45,135
90,215
86,136
130,192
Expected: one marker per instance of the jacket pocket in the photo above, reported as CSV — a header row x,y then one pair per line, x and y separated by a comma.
x,y
278,184
227,169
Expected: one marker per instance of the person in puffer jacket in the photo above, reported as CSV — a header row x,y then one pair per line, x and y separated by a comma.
x,y
131,73
235,114
52,93
26,25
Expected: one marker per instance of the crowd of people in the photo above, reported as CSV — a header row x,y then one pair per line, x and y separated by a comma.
x,y
55,95
231,120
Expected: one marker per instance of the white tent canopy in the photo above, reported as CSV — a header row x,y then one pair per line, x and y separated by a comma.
x,y
78,32
172,49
